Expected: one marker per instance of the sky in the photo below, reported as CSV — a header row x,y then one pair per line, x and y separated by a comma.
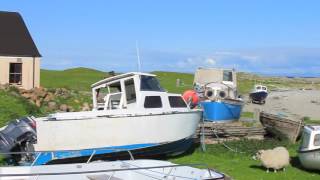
x,y
261,36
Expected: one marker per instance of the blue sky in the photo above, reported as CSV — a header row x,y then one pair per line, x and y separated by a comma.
x,y
263,36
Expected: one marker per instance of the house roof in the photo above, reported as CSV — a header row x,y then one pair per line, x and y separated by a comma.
x,y
15,39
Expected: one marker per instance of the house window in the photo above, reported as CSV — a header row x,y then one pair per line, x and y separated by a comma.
x,y
15,73
177,102
227,75
152,102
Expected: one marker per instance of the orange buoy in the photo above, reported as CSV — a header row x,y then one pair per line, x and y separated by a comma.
x,y
191,96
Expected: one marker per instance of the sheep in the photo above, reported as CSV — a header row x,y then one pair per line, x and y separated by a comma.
x,y
277,158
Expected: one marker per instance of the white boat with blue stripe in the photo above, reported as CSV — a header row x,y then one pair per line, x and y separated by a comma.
x,y
130,112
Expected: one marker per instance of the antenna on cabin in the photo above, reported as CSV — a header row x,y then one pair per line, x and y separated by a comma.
x,y
138,56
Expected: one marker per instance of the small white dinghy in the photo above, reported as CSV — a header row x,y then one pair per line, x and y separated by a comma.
x,y
309,151
112,170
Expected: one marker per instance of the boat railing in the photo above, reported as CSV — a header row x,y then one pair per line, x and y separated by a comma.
x,y
134,168
39,153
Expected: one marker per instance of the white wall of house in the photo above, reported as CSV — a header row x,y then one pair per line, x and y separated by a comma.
x,y
30,70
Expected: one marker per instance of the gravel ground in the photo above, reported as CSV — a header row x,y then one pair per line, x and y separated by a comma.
x,y
291,103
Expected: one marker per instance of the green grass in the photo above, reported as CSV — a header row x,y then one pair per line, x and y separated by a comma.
x,y
241,166
76,79
168,81
13,106
247,114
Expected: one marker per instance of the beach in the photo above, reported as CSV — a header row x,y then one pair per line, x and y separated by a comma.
x,y
295,103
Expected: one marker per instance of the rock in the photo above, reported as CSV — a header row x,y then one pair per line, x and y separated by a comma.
x,y
70,109
38,102
48,97
26,95
313,101
85,107
76,101
52,105
276,97
62,92
63,107
33,97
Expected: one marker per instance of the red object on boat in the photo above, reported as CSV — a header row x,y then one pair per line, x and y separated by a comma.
x,y
191,96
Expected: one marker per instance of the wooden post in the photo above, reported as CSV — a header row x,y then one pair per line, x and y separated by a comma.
x,y
178,83
256,114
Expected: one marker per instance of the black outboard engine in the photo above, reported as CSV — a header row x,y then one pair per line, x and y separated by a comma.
x,y
17,136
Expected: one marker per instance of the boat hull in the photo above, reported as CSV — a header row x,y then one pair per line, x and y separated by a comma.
x,y
169,133
258,96
310,159
221,111
281,127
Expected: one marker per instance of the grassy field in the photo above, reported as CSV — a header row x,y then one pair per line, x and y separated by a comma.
x,y
241,166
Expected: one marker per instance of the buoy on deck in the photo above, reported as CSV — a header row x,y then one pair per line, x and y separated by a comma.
x,y
191,97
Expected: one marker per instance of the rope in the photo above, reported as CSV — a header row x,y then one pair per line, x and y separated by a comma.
x,y
225,145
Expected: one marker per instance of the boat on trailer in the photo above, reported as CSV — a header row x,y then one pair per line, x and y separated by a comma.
x,y
130,111
309,151
142,169
259,94
217,89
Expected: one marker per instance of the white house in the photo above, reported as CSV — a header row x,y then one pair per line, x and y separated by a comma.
x,y
19,56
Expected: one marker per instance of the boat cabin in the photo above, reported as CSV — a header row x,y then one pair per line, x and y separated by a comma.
x,y
260,88
310,138
133,90
204,76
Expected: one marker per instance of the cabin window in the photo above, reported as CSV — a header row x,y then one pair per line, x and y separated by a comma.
x,y
177,102
316,141
227,75
264,88
258,87
149,83
130,91
305,140
152,102
101,93
15,73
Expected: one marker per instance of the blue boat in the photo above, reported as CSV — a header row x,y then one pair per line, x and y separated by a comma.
x,y
219,99
222,111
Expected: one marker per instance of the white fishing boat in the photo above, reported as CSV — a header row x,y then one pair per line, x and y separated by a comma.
x,y
309,151
130,111
259,94
115,170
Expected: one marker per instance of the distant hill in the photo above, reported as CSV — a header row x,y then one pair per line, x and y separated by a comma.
x,y
82,78
76,78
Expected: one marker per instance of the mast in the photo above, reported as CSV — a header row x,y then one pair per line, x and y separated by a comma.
x,y
138,57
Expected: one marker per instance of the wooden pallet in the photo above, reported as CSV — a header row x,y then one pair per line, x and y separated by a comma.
x,y
228,131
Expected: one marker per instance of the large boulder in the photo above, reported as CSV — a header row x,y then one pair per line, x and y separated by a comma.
x,y
52,105
85,107
63,107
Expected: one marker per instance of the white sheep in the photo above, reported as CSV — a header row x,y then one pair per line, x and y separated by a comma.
x,y
277,158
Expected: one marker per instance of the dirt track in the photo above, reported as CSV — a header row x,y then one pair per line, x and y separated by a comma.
x,y
292,103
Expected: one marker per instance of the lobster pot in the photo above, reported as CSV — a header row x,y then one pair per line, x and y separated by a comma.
x,y
219,111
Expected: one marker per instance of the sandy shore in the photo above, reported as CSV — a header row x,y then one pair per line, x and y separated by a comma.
x,y
291,103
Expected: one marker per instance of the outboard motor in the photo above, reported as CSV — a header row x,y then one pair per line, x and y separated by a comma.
x,y
17,136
